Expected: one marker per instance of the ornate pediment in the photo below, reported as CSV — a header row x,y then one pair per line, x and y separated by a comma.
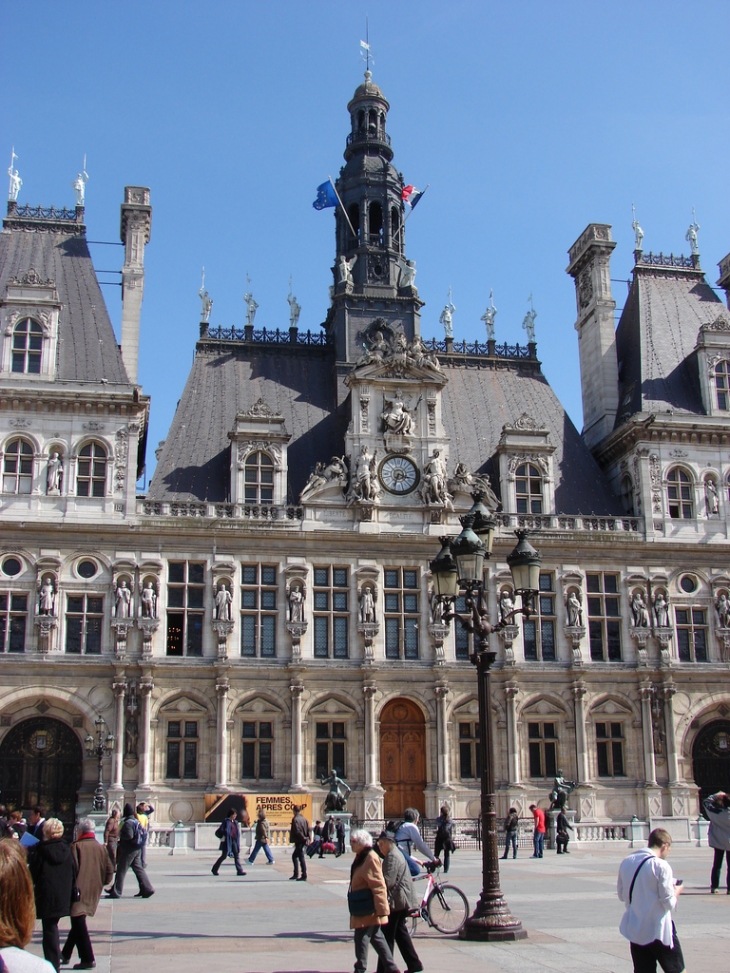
x,y
387,354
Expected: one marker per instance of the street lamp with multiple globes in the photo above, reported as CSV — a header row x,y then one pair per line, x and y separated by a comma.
x,y
459,565
99,749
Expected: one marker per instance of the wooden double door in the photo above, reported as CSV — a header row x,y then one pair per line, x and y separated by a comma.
x,y
402,757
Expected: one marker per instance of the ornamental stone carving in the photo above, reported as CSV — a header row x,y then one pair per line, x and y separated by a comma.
x,y
655,478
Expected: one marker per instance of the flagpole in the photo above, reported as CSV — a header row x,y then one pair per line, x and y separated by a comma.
x,y
344,211
419,200
405,219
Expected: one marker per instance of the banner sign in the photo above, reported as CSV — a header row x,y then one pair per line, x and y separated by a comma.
x,y
279,807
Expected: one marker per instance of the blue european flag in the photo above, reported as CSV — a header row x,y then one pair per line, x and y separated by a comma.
x,y
326,196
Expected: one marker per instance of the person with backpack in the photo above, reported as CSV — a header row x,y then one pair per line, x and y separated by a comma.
x,y
129,855
143,813
444,836
230,846
408,837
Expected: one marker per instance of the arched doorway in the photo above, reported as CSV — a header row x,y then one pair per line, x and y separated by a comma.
x,y
711,758
402,757
41,763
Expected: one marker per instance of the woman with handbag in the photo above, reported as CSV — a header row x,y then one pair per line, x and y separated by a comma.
x,y
93,871
230,845
52,870
367,900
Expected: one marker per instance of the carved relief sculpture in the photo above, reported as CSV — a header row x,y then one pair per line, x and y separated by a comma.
x,y
363,484
397,417
331,474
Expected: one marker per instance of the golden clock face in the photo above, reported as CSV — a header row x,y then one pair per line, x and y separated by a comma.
x,y
398,474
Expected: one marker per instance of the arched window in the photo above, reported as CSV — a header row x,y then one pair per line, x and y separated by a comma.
x,y
679,494
18,467
27,347
722,385
259,478
91,474
376,223
627,495
396,241
528,488
353,211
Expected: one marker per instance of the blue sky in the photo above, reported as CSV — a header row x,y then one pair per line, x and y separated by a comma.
x,y
529,121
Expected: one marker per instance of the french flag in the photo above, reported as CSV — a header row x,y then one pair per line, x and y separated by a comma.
x,y
411,196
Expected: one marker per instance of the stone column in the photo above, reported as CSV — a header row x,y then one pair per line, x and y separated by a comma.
x,y
371,774
296,736
145,737
119,687
672,763
581,744
646,693
221,756
443,763
513,749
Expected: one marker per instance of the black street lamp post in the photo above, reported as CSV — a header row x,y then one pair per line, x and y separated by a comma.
x,y
99,749
459,565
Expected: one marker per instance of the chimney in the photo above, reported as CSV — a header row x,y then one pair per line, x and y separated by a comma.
x,y
135,235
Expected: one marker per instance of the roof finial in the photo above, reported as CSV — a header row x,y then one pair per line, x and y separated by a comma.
x,y
365,52
529,321
638,232
79,184
489,316
691,235
15,181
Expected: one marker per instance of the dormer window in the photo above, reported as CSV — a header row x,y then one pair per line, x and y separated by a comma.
x,y
259,478
528,489
722,385
18,467
27,347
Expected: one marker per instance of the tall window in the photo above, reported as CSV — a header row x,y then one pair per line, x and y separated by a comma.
x,y
182,749
401,613
13,620
722,385
18,467
604,625
543,749
91,471
258,475
691,634
27,347
462,638
258,610
257,747
331,590
539,633
528,488
84,614
610,749
185,592
470,762
330,749
679,495
627,495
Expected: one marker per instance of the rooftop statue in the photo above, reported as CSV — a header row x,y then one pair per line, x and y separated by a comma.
x,y
79,185
15,181
691,235
489,316
251,305
206,301
529,321
638,232
294,308
447,317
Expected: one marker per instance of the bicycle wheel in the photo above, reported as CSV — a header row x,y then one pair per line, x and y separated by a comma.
x,y
448,909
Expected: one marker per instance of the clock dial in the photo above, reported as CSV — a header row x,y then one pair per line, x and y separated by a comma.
x,y
398,474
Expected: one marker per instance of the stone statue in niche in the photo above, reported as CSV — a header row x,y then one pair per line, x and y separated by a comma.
x,y
223,599
122,600
148,598
363,486
130,737
296,593
437,607
712,500
47,596
54,474
506,606
661,610
722,607
368,596
639,610
575,610
396,416
434,480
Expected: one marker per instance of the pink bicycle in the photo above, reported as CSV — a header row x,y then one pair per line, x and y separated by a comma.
x,y
444,907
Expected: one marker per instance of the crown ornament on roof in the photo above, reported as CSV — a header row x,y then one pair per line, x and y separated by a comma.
x,y
261,410
34,278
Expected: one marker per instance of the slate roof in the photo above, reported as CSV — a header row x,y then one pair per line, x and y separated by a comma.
x,y
656,338
87,349
299,384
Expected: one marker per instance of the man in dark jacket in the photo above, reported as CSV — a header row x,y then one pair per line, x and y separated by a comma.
x,y
52,870
340,835
402,898
230,845
129,854
562,826
93,871
511,827
718,836
299,837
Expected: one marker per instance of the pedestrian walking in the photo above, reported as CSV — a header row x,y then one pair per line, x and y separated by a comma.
x,y
538,835
230,846
93,871
17,911
299,837
340,835
511,827
263,837
143,813
368,903
402,898
562,827
111,836
52,870
444,836
408,837
718,836
129,855
647,888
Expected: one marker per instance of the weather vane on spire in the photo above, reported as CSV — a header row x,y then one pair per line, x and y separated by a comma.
x,y
365,48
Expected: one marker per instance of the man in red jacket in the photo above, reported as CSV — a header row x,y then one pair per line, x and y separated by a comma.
x,y
538,835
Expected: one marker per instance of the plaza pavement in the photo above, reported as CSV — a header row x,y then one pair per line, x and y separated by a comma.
x,y
263,923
